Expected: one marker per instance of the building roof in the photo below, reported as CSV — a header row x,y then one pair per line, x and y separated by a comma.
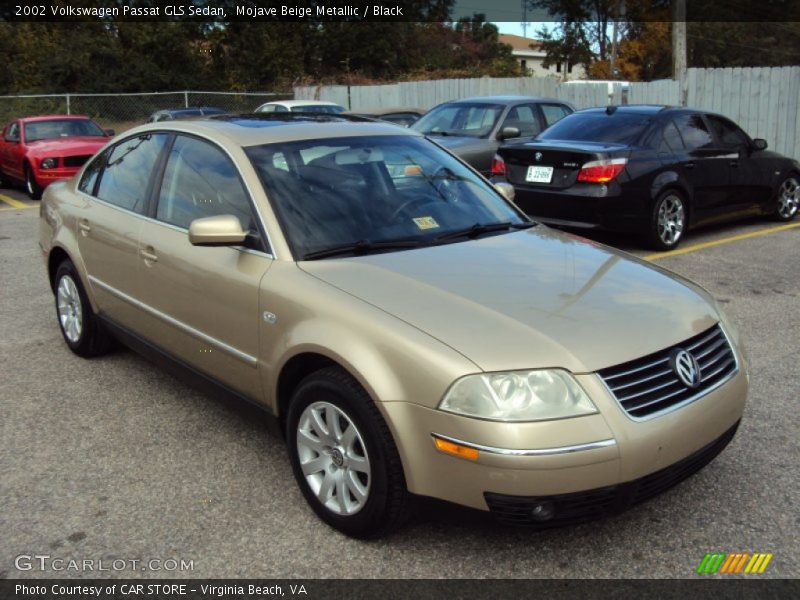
x,y
521,45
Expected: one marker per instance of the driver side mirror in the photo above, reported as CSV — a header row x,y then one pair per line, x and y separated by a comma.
x,y
760,144
110,132
508,133
219,230
506,190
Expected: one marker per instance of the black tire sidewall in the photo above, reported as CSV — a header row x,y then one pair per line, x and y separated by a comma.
x,y
321,387
35,192
654,240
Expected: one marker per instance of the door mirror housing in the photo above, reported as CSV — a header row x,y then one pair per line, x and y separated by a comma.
x,y
219,230
508,133
506,190
110,132
760,144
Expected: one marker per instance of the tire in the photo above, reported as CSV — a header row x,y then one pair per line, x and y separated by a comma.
x,y
372,499
82,331
788,198
33,189
668,221
4,181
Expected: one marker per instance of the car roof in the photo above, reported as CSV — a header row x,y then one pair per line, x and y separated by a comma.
x,y
266,128
51,117
302,103
645,109
506,99
386,110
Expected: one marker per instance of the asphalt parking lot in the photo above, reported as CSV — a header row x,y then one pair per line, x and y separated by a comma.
x,y
114,459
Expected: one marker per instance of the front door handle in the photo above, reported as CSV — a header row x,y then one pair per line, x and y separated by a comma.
x,y
148,254
84,226
689,165
734,163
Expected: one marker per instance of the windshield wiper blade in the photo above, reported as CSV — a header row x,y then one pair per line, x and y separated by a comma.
x,y
479,229
445,133
362,247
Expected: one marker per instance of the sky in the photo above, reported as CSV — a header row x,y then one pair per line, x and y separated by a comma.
x,y
516,28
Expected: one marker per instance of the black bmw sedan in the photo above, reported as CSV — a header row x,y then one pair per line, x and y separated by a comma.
x,y
654,170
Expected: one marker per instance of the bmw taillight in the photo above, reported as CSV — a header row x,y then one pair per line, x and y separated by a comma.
x,y
498,166
601,171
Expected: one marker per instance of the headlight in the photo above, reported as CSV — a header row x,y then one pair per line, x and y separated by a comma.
x,y
49,163
518,396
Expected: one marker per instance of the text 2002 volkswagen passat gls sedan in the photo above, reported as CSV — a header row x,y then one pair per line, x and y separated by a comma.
x,y
411,329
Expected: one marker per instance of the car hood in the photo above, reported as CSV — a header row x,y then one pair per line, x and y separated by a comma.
x,y
530,299
68,146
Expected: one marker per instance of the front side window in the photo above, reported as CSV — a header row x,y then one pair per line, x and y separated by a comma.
x,y
125,179
463,118
372,190
728,134
201,181
91,173
694,132
524,118
58,128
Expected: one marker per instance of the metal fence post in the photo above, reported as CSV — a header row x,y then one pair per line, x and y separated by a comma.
x,y
186,99
69,112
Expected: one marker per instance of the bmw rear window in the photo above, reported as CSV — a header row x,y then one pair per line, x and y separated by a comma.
x,y
617,128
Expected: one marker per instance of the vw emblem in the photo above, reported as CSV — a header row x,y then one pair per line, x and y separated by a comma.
x,y
686,368
538,156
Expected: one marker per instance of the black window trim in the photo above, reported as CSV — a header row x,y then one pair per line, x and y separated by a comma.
x,y
158,180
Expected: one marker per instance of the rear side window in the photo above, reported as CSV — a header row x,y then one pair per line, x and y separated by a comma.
x,y
12,133
671,140
201,181
694,132
554,112
125,179
618,127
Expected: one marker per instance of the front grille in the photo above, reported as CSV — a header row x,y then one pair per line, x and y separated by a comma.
x,y
76,161
649,385
584,506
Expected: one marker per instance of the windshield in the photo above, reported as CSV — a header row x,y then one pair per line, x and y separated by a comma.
x,y
318,108
58,128
372,190
618,128
462,118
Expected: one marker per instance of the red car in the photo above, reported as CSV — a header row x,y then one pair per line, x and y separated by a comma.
x,y
40,150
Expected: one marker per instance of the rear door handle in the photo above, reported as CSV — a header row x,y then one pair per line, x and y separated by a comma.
x,y
689,165
734,163
148,254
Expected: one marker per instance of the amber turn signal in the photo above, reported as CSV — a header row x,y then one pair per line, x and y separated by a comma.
x,y
455,449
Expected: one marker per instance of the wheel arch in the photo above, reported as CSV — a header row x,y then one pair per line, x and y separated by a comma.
x,y
674,183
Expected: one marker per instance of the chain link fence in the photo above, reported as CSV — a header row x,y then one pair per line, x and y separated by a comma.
x,y
123,111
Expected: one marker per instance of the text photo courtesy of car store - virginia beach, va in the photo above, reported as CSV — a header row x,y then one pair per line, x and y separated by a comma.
x,y
445,294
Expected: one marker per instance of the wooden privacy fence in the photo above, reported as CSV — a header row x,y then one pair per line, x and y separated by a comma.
x,y
765,101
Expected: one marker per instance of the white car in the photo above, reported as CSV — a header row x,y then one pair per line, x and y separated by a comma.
x,y
306,106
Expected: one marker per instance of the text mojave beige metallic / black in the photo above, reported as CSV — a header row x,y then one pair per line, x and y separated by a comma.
x,y
315,265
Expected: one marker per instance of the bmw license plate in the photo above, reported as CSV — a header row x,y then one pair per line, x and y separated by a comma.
x,y
539,174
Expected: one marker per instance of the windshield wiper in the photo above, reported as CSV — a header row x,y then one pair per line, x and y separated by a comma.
x,y
442,132
362,247
479,229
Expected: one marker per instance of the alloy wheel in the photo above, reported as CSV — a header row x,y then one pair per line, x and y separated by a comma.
x,y
788,198
671,219
70,312
333,458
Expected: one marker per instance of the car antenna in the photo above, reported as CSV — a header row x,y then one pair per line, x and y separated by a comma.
x,y
611,109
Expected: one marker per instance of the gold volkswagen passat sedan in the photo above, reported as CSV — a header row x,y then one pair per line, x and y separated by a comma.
x,y
410,329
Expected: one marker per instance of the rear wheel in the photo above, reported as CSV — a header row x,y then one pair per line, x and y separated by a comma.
x,y
668,221
788,198
82,331
343,456
33,189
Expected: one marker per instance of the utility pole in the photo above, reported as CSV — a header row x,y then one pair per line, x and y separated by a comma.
x,y
525,18
678,40
614,30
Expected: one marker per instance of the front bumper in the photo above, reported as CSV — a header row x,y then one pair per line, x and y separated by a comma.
x,y
639,449
45,177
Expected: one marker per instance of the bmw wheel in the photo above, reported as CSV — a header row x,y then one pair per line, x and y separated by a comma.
x,y
343,456
668,221
788,199
82,331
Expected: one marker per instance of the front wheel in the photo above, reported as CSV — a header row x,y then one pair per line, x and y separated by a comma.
x,y
668,221
788,199
82,331
31,186
343,456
